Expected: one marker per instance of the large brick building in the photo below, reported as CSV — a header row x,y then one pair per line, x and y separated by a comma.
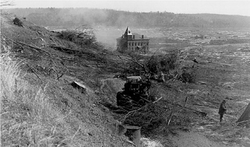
x,y
132,42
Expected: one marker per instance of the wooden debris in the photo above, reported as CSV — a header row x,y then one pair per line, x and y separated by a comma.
x,y
82,88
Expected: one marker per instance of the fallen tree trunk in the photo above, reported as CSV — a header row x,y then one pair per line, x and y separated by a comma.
x,y
203,114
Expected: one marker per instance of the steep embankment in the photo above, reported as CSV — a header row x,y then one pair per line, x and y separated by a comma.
x,y
39,104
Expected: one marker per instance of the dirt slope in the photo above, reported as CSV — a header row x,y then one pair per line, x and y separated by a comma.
x,y
42,107
47,108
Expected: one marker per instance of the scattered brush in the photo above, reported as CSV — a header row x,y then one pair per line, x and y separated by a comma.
x,y
80,38
149,117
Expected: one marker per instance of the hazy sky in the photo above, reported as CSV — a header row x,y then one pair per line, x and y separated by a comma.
x,y
236,7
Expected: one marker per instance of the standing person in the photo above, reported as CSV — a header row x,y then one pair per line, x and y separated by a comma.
x,y
222,109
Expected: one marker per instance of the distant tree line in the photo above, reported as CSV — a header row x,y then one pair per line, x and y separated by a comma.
x,y
69,17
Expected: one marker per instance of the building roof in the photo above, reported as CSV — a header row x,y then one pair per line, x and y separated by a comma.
x,y
138,36
128,31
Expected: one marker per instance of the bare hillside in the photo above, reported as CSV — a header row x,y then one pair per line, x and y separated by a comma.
x,y
58,89
39,105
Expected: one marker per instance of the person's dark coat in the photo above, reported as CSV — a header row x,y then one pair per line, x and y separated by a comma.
x,y
222,109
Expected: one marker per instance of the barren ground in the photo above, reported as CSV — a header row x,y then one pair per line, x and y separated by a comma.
x,y
222,71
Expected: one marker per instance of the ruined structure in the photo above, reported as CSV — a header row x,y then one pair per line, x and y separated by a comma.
x,y
132,42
